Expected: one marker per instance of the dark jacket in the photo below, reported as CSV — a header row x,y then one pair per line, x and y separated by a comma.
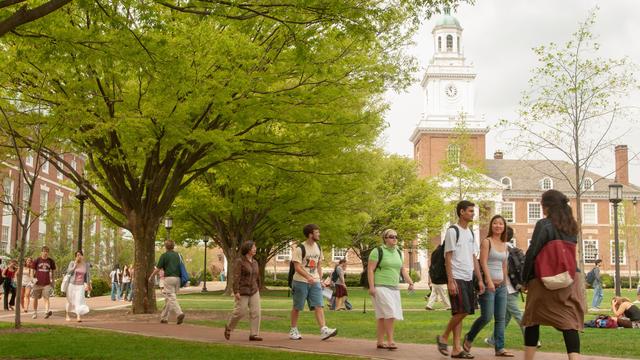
x,y
542,234
246,276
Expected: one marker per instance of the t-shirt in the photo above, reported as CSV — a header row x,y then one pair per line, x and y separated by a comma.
x,y
78,274
312,257
115,276
170,263
339,271
463,252
388,273
43,268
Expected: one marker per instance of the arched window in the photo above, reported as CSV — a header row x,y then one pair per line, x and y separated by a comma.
x,y
458,44
506,181
453,154
439,43
449,43
587,184
546,183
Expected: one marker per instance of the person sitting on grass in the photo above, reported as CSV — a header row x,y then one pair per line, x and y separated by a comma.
x,y
625,313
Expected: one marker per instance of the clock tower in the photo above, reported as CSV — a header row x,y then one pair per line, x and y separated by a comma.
x,y
449,98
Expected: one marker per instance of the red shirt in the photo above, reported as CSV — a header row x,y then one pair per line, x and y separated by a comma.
x,y
43,269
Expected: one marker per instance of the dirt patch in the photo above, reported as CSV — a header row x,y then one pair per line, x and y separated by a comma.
x,y
24,330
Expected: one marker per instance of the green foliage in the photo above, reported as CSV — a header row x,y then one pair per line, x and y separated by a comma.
x,y
100,286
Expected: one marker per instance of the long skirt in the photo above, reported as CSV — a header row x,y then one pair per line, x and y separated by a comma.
x,y
75,300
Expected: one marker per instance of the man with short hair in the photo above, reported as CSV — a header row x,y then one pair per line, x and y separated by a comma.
x,y
306,285
44,267
460,251
597,287
169,262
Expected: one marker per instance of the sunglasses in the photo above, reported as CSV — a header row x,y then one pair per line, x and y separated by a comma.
x,y
392,236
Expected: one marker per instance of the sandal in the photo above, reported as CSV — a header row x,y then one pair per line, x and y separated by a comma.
x,y
227,332
504,353
392,346
442,347
462,355
466,345
381,346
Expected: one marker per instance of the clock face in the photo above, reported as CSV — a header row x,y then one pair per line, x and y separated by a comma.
x,y
451,91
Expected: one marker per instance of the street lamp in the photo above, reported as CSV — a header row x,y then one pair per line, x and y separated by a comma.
x,y
82,196
204,272
410,259
168,224
615,197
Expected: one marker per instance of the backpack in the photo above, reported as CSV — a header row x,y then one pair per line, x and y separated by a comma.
x,y
334,275
364,277
292,268
591,276
606,322
515,267
555,264
437,268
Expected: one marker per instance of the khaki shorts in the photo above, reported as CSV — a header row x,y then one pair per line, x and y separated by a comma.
x,y
40,291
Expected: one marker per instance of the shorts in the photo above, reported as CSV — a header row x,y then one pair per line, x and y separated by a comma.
x,y
464,302
40,291
302,291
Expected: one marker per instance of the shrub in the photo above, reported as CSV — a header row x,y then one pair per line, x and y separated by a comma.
x,y
99,287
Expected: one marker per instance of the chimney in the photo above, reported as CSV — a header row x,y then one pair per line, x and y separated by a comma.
x,y
622,164
498,155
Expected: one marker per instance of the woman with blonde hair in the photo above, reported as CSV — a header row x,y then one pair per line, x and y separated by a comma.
x,y
384,268
625,312
27,283
79,282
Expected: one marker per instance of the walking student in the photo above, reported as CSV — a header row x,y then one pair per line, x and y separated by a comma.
x,y
9,284
461,264
384,276
307,285
597,287
493,302
44,267
79,282
169,262
116,283
438,293
561,308
126,284
27,284
340,285
246,290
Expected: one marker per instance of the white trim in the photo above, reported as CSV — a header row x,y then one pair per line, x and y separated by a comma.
x,y
508,186
584,248
588,188
529,218
542,182
338,258
584,218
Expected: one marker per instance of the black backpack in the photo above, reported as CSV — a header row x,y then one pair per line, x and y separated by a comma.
x,y
364,277
515,267
591,276
292,268
334,275
437,269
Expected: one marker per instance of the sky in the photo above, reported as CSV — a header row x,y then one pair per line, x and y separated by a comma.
x,y
498,37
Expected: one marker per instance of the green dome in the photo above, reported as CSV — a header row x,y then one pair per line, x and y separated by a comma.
x,y
448,20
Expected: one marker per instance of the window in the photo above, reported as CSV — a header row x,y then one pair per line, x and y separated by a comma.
x,y
449,43
59,175
42,221
284,254
534,212
29,159
439,43
589,213
546,183
620,214
622,256
339,254
74,165
45,167
453,153
4,239
458,43
508,211
587,184
506,181
590,252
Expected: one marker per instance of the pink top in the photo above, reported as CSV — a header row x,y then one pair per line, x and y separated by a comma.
x,y
78,274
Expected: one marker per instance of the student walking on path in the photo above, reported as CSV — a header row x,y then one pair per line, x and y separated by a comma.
x,y
493,303
340,285
9,284
562,308
306,285
169,262
438,293
79,283
598,294
44,267
116,283
246,290
461,264
384,275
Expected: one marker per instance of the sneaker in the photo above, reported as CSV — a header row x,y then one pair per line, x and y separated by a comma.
x,y
594,309
180,319
48,314
489,341
539,345
327,332
428,307
34,316
294,334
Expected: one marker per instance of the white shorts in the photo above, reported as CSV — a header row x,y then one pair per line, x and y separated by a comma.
x,y
387,303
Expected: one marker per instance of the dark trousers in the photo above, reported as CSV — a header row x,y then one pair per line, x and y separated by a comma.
x,y
8,289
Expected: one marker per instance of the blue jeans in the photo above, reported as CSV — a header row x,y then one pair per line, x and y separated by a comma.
x,y
513,309
492,305
597,296
116,292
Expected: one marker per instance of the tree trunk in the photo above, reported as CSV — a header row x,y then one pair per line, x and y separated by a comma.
x,y
144,297
262,265
231,259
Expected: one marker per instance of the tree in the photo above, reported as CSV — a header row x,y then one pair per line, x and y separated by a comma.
x,y
14,13
573,108
157,97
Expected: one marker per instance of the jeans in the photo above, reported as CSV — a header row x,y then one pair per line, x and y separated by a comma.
x,y
9,290
597,296
492,305
126,291
513,309
116,291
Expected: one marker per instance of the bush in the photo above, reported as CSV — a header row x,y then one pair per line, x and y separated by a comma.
x,y
415,276
607,280
99,287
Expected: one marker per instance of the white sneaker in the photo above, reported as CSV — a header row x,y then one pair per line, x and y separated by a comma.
x,y
594,309
294,334
489,341
34,316
326,333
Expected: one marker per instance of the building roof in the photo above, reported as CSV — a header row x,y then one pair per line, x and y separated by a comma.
x,y
448,20
526,177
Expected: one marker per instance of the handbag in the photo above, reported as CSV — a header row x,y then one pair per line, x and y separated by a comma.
x,y
65,283
555,264
184,275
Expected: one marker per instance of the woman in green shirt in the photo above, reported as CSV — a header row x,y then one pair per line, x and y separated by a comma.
x,y
384,276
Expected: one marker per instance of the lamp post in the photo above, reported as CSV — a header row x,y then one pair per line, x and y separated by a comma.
x,y
82,196
204,272
615,197
410,258
168,224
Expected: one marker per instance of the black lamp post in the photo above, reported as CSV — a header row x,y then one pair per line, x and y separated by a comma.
x,y
168,224
410,259
82,196
615,197
204,272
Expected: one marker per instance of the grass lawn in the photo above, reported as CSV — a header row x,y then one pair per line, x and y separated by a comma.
x,y
58,342
419,326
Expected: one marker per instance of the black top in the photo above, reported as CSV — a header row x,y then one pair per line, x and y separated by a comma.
x,y
542,234
633,313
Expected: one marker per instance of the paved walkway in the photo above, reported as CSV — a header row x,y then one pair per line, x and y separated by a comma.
x,y
310,343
